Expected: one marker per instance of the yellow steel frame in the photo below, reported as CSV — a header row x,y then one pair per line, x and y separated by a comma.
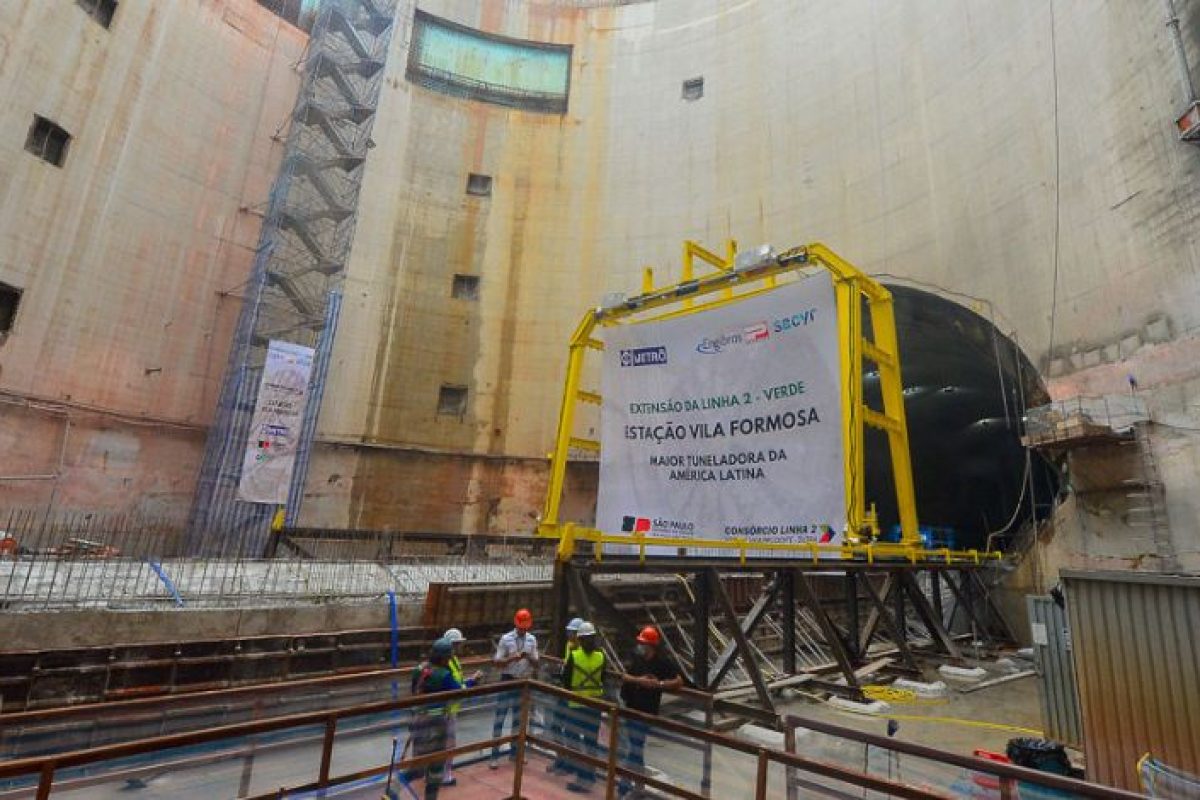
x,y
853,290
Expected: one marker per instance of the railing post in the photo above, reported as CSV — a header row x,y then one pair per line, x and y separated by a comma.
x,y
522,733
1008,789
789,773
614,744
706,770
760,782
327,749
47,778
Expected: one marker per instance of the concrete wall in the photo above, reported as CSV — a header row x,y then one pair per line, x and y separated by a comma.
x,y
131,255
1020,152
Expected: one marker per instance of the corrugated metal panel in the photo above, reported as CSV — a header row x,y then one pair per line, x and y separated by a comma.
x,y
1137,663
1052,655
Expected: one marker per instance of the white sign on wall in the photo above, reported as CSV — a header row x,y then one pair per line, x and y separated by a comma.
x,y
275,429
726,423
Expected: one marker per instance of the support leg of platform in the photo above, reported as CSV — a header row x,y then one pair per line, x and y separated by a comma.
x,y
852,627
700,632
562,608
787,600
759,610
833,637
740,638
868,630
895,627
1002,625
925,612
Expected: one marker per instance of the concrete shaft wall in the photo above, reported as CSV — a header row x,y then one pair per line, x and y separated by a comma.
x,y
1020,152
131,256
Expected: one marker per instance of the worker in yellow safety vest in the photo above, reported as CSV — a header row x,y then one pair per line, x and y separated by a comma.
x,y
455,637
584,674
558,714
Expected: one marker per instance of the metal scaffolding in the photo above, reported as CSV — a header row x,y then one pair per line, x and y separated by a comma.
x,y
295,289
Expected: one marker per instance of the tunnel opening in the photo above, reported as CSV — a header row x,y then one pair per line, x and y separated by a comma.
x,y
966,388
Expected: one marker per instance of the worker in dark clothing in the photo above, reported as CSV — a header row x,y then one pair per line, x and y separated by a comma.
x,y
649,673
584,673
429,728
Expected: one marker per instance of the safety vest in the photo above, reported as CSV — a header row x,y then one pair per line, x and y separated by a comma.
x,y
587,674
457,672
570,646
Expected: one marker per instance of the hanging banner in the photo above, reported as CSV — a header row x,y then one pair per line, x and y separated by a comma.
x,y
726,423
275,428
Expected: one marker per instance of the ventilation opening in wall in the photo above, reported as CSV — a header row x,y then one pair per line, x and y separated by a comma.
x,y
452,400
465,287
10,298
479,185
693,88
100,10
48,141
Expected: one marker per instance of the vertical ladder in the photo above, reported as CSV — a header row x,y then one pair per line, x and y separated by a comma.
x,y
1149,495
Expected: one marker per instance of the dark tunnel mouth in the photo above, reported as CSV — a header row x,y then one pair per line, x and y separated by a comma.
x,y
967,388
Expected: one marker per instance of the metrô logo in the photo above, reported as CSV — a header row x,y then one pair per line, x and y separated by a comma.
x,y
644,356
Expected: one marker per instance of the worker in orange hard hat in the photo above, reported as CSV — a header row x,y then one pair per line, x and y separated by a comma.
x,y
516,658
649,673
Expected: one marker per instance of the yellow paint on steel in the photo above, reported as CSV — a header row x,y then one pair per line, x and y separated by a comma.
x,y
589,397
851,287
590,445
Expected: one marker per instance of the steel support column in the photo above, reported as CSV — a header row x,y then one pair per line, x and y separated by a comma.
x,y
700,631
787,601
833,637
739,636
925,611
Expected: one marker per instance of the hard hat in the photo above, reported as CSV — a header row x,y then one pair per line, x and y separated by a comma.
x,y
454,635
574,624
442,648
586,629
523,619
649,635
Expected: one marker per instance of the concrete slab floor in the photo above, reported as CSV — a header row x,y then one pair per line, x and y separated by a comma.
x,y
958,723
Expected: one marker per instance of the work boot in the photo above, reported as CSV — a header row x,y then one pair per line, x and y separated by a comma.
x,y
580,787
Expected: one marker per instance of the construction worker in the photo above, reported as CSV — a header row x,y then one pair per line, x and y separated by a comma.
x,y
455,637
558,729
648,674
583,673
516,658
429,725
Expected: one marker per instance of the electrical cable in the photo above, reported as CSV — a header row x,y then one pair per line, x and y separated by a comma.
x,y
1057,181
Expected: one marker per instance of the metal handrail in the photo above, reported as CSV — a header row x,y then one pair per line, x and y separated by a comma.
x,y
46,766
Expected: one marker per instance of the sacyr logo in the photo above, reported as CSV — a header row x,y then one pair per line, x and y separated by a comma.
x,y
635,524
644,356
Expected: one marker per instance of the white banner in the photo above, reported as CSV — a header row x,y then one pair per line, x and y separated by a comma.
x,y
726,423
275,428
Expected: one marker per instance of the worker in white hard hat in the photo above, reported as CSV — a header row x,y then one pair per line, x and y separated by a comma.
x,y
558,723
583,674
455,637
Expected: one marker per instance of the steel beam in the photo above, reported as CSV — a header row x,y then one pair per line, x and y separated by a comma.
x,y
925,612
748,624
787,600
894,626
743,643
700,631
833,637
868,630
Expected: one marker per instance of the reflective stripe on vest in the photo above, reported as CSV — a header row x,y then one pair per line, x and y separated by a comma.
x,y
587,673
457,673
